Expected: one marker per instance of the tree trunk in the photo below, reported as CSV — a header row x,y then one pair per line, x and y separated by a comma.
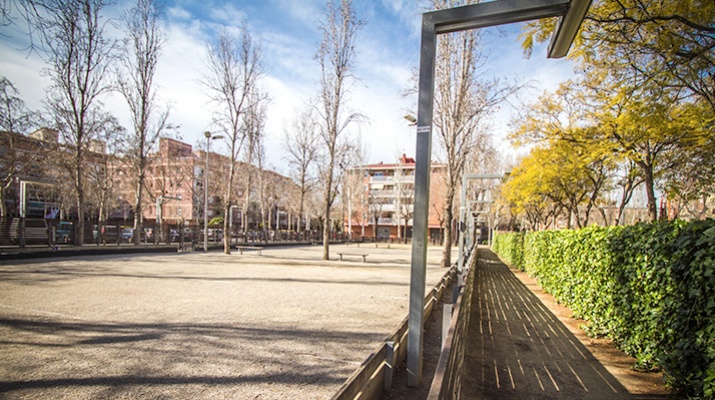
x,y
246,202
138,211
447,228
326,216
650,192
80,200
226,230
3,208
301,211
227,209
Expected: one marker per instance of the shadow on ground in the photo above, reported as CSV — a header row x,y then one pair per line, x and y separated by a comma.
x,y
163,358
518,349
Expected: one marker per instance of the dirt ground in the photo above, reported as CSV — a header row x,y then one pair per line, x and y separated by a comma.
x,y
282,325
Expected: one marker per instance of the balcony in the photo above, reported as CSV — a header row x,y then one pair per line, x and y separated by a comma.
x,y
383,193
388,208
392,178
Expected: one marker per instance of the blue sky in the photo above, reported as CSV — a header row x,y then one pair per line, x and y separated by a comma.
x,y
388,52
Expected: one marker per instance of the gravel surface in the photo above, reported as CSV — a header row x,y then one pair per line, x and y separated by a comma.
x,y
282,325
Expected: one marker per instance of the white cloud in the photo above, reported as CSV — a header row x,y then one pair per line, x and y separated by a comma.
x,y
289,57
178,76
388,50
227,14
23,71
285,101
178,13
307,12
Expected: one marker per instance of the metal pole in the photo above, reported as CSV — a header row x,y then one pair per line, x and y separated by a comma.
x,y
206,193
462,217
444,21
415,337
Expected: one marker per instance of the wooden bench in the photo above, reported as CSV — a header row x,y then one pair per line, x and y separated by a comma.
x,y
364,256
256,248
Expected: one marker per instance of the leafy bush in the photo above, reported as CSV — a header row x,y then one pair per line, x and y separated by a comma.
x,y
510,246
649,287
216,222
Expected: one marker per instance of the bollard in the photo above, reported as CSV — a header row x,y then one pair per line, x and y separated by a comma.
x,y
389,365
446,319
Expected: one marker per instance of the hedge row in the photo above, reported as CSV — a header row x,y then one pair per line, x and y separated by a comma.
x,y
650,287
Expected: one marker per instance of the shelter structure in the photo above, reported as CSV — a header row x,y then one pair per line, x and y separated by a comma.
x,y
474,16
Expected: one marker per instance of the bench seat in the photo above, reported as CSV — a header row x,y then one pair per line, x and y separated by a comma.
x,y
364,256
256,248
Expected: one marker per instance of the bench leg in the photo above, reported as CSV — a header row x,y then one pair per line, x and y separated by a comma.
x,y
364,258
341,257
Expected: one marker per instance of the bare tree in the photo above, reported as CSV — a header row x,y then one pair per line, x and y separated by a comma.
x,y
14,114
19,154
79,53
248,196
353,197
141,55
101,171
168,171
375,205
234,66
405,206
254,121
263,187
463,100
335,57
301,145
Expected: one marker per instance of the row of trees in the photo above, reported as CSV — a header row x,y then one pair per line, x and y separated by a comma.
x,y
640,113
73,38
170,172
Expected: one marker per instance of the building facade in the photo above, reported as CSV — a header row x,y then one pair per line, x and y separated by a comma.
x,y
380,200
32,175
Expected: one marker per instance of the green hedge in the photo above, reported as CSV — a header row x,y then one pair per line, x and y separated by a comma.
x,y
650,287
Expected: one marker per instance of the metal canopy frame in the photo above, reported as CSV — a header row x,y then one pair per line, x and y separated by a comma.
x,y
463,210
571,13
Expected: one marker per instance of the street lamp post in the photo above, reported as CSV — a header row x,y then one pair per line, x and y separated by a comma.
x,y
209,138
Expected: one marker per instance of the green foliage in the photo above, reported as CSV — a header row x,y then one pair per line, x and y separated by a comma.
x,y
216,222
510,246
650,287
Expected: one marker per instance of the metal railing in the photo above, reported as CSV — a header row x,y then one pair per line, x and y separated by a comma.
x,y
377,371
40,232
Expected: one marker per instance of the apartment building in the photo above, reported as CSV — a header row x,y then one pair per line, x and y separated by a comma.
x,y
176,179
381,200
174,185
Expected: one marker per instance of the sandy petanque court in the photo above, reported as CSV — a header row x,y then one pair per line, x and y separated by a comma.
x,y
184,326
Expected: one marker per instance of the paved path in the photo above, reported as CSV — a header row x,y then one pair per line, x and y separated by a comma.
x,y
519,349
